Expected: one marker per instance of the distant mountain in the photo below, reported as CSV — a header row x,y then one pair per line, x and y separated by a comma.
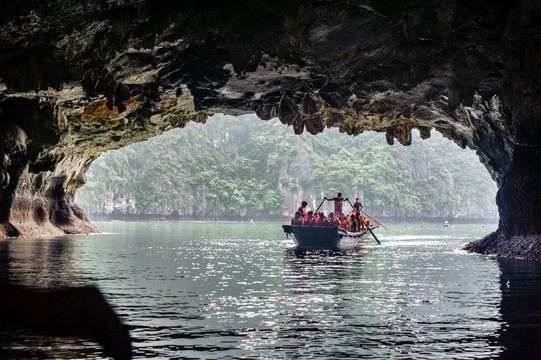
x,y
236,168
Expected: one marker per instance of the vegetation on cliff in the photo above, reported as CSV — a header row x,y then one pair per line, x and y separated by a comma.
x,y
235,167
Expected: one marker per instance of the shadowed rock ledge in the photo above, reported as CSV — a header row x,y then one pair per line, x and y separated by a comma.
x,y
79,79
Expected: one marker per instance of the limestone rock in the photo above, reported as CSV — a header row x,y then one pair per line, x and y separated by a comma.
x,y
79,79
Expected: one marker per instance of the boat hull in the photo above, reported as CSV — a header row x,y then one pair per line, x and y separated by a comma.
x,y
316,237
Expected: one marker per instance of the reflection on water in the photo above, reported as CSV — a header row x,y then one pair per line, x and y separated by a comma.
x,y
520,333
40,263
239,291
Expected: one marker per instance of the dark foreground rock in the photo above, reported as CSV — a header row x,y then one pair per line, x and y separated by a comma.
x,y
526,247
519,205
78,79
70,312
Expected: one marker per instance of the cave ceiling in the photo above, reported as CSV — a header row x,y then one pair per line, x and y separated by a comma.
x,y
115,72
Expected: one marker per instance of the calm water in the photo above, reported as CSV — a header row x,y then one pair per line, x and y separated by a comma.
x,y
221,291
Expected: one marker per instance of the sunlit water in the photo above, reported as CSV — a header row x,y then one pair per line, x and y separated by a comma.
x,y
219,291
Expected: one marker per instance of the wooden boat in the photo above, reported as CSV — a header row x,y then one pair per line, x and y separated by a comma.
x,y
318,237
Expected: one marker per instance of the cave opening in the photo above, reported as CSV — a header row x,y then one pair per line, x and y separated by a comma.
x,y
104,75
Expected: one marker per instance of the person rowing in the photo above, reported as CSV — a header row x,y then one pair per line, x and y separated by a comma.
x,y
337,203
357,205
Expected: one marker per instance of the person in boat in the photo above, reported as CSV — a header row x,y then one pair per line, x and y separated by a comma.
x,y
366,221
353,224
328,221
322,221
330,218
297,219
357,205
311,221
362,221
333,220
303,211
344,224
338,200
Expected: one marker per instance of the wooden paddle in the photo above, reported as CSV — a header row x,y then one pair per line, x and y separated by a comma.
x,y
375,220
319,206
368,227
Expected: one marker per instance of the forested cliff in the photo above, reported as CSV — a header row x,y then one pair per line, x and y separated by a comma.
x,y
235,168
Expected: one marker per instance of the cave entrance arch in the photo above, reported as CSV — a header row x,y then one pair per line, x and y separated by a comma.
x,y
84,79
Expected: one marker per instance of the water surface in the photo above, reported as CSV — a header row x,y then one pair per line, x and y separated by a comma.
x,y
218,291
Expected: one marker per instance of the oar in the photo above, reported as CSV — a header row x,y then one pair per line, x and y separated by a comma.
x,y
368,227
319,206
375,220
371,218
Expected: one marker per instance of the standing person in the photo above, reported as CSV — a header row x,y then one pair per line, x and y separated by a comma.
x,y
338,200
302,209
357,206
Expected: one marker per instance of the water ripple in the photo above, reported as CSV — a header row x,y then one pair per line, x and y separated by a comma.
x,y
232,291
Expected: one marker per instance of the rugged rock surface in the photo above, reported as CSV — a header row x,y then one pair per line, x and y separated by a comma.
x,y
81,78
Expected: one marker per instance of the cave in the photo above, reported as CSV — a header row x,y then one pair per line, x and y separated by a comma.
x,y
80,79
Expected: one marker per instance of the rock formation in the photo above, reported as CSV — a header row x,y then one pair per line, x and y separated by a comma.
x,y
77,79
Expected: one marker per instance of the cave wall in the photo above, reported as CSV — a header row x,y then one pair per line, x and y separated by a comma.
x,y
77,79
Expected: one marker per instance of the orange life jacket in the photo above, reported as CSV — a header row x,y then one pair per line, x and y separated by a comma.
x,y
360,222
311,221
297,221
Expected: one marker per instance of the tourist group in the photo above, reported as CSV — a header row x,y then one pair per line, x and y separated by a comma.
x,y
352,222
